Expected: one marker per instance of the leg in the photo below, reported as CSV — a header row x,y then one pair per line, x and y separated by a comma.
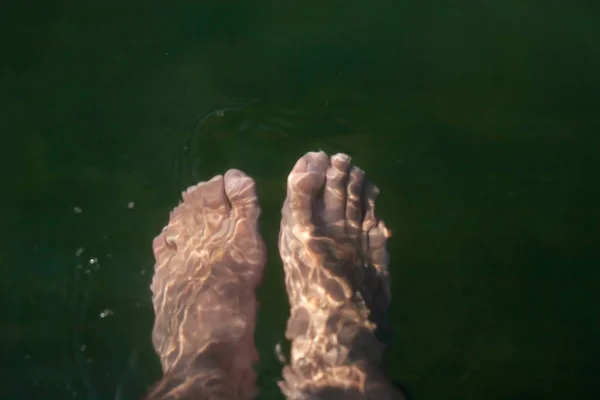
x,y
334,254
209,260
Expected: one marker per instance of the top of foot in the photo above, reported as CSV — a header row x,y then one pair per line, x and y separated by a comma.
x,y
209,260
334,253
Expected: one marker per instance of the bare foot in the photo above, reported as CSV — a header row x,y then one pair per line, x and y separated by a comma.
x,y
209,260
334,254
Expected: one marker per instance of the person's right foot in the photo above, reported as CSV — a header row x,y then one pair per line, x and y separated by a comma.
x,y
335,260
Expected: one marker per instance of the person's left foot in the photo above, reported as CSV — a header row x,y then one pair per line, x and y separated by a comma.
x,y
209,260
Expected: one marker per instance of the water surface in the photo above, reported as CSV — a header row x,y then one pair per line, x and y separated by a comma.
x,y
478,120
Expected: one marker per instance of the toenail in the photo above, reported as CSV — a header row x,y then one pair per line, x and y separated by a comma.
x,y
345,158
313,166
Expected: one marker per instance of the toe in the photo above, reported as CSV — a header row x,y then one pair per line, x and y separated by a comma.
x,y
375,236
379,259
354,206
370,220
304,182
334,195
377,244
368,199
374,231
207,196
241,192
248,248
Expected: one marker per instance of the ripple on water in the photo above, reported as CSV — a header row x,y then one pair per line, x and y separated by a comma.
x,y
250,135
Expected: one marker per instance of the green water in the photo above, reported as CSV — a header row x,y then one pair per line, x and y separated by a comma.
x,y
478,120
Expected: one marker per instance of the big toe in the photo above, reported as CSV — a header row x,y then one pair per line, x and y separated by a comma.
x,y
247,245
209,196
334,195
304,184
241,192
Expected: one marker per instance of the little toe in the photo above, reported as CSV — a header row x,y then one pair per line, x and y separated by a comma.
x,y
304,182
375,232
378,237
369,196
379,259
355,206
334,196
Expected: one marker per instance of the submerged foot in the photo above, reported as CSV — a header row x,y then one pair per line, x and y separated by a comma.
x,y
209,260
334,254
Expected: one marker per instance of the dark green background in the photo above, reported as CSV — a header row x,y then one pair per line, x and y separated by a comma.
x,y
478,120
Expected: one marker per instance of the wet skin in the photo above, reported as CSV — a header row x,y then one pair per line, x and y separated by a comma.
x,y
210,259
